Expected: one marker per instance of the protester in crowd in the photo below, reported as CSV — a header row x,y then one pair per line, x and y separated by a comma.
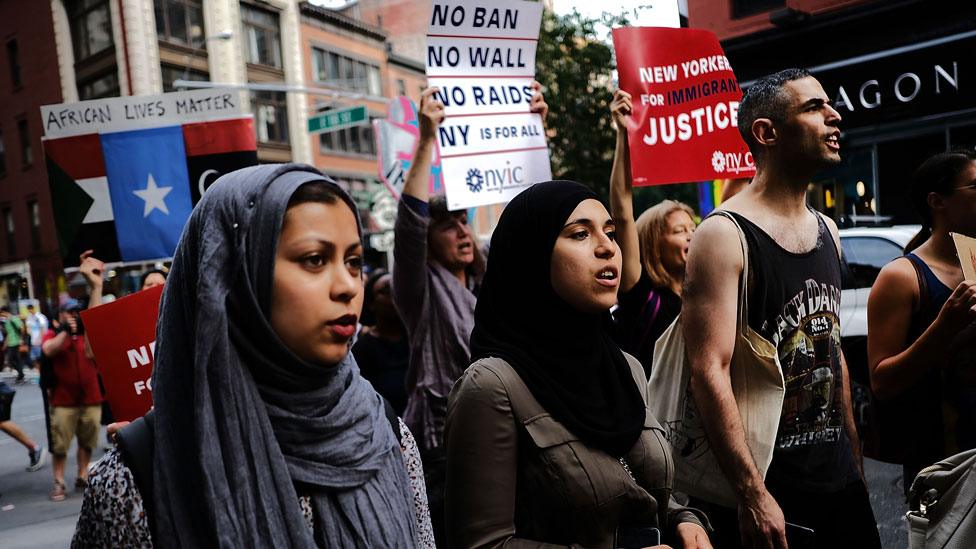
x,y
36,453
921,313
654,249
152,278
381,350
815,478
264,434
551,417
92,270
76,401
36,324
15,342
436,272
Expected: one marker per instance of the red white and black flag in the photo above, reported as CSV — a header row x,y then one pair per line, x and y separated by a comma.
x,y
125,172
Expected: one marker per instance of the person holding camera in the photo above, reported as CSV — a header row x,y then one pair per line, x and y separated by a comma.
x,y
76,401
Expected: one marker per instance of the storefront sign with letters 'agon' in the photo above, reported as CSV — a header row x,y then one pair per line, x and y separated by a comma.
x,y
482,57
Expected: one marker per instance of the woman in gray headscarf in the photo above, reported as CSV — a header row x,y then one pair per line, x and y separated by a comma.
x,y
265,435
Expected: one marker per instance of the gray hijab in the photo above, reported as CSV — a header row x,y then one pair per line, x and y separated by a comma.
x,y
242,424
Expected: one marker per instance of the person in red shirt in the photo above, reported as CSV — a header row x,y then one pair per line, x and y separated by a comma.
x,y
76,400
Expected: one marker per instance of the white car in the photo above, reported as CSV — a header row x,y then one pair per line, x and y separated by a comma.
x,y
866,250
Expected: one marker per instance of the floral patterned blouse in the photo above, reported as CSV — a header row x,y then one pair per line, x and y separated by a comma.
x,y
112,514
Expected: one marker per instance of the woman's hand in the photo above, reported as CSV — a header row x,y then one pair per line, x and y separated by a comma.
x,y
538,103
114,428
693,536
431,114
620,108
91,268
960,309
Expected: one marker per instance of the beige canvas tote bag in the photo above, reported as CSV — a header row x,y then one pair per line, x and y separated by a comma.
x,y
757,383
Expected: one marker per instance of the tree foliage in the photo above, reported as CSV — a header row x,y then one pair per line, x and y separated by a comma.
x,y
575,67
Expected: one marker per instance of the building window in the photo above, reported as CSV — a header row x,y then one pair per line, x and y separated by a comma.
x,y
13,58
270,116
355,140
179,21
3,156
26,154
34,214
91,27
104,85
743,8
261,35
173,73
347,73
8,220
401,87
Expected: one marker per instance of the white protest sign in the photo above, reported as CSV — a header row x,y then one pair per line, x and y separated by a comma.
x,y
138,112
482,57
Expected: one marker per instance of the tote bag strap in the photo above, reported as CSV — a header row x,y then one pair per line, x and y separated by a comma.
x,y
743,319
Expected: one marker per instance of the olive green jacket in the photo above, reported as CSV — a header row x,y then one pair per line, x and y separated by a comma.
x,y
518,478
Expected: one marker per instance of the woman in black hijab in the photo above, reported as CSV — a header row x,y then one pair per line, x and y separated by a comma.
x,y
264,433
548,435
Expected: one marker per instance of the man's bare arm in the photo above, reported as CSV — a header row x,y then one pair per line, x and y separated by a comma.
x,y
709,313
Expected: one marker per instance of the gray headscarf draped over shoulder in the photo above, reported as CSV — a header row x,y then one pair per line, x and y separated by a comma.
x,y
242,424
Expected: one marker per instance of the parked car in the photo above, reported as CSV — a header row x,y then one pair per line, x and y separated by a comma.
x,y
866,250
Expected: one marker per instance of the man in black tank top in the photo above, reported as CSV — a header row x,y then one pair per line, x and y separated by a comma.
x,y
815,479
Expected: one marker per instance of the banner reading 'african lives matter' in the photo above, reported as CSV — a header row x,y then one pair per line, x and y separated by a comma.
x,y
686,103
482,57
125,172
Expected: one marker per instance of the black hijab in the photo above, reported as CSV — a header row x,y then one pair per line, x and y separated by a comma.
x,y
242,424
564,356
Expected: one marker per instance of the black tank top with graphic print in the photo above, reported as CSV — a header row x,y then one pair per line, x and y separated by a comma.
x,y
794,302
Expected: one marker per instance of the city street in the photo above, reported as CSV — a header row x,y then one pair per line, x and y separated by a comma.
x,y
28,519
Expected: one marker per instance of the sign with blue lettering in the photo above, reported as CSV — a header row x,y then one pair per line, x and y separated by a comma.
x,y
482,57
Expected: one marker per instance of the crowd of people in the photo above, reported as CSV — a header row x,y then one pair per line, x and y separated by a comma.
x,y
486,399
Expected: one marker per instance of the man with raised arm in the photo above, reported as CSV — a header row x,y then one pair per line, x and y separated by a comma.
x,y
815,480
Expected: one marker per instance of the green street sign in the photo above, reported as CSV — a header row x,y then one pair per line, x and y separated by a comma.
x,y
338,119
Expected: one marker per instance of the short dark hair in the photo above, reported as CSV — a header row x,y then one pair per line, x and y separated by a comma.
x,y
145,275
437,206
765,99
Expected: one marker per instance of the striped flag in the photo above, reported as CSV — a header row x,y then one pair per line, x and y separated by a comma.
x,y
125,172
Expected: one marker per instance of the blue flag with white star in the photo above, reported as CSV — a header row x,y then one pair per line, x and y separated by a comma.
x,y
150,190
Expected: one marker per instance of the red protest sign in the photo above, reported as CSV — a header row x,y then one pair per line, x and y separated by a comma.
x,y
122,335
686,103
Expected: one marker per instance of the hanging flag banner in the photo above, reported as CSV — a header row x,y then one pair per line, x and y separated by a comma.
x,y
125,357
125,172
396,140
686,103
483,60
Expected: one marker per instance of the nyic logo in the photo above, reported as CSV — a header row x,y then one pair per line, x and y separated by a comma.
x,y
474,180
495,179
732,162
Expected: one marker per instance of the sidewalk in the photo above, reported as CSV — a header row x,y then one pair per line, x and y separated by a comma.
x,y
28,519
